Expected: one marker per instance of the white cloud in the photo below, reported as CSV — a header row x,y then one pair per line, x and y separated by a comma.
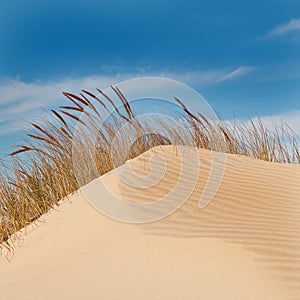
x,y
291,118
241,71
20,101
208,77
292,26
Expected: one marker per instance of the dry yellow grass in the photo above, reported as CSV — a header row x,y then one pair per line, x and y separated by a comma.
x,y
41,172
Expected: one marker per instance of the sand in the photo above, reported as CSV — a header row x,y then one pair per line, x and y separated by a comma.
x,y
244,245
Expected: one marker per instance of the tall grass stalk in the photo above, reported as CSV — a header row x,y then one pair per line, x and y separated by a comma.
x,y
41,170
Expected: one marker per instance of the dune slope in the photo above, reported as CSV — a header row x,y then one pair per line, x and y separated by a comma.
x,y
244,245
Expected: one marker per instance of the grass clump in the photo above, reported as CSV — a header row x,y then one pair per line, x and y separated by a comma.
x,y
41,171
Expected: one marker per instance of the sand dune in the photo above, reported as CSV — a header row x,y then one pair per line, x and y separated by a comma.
x,y
244,245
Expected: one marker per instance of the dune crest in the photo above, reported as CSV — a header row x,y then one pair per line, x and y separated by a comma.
x,y
243,245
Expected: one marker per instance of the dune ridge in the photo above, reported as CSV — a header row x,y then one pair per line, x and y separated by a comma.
x,y
243,245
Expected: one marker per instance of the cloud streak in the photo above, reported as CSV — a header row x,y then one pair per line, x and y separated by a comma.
x,y
20,101
241,71
291,119
292,26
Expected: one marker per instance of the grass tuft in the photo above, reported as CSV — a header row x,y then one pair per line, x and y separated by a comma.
x,y
41,172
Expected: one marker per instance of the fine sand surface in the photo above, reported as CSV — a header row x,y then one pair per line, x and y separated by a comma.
x,y
244,245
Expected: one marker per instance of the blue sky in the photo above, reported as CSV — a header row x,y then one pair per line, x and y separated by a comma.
x,y
243,57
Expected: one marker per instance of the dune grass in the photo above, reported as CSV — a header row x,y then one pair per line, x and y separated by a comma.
x,y
41,170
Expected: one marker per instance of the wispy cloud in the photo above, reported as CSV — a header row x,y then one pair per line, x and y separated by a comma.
x,y
292,26
200,79
291,119
20,101
241,71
